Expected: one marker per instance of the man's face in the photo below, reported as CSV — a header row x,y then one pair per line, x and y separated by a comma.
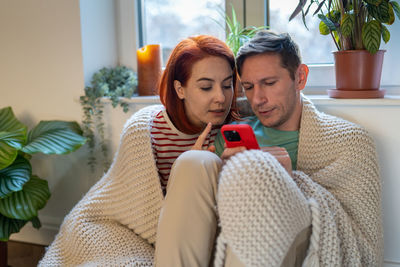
x,y
271,92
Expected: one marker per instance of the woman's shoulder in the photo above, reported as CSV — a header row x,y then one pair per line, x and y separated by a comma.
x,y
143,117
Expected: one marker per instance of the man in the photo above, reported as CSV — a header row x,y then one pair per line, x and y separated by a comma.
x,y
311,195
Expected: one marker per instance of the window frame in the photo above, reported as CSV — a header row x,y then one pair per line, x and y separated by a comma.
x,y
249,12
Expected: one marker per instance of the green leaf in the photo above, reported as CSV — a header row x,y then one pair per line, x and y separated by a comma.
x,y
14,177
347,25
8,121
396,8
371,36
298,9
14,139
374,2
24,204
9,226
54,137
7,155
236,35
380,12
391,15
385,34
321,4
334,16
36,223
12,136
323,29
328,22
335,34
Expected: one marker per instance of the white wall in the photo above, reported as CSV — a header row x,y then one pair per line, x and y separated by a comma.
x,y
47,55
41,79
99,38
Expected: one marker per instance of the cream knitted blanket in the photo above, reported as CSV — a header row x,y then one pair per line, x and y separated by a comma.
x,y
337,188
337,182
115,223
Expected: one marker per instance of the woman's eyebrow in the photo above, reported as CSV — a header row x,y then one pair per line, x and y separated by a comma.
x,y
204,79
212,80
227,78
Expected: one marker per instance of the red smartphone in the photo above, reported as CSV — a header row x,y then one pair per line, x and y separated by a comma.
x,y
239,135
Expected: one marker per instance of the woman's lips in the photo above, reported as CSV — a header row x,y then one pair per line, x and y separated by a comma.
x,y
218,112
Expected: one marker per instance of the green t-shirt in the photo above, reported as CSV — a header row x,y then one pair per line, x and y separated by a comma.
x,y
267,137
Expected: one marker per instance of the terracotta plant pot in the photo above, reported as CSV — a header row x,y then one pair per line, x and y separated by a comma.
x,y
358,74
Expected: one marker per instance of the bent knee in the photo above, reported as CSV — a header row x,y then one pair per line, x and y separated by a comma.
x,y
198,159
196,168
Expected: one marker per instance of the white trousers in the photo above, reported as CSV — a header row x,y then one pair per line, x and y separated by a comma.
x,y
188,222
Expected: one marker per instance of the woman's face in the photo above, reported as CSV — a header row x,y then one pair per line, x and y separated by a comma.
x,y
208,93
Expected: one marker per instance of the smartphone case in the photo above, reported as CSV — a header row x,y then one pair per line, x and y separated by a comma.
x,y
230,133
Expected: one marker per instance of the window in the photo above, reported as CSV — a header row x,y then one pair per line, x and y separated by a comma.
x,y
315,48
250,12
166,22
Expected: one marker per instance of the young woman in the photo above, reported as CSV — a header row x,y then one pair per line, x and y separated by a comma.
x,y
196,89
116,221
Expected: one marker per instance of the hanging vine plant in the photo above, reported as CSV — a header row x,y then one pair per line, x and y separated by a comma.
x,y
114,83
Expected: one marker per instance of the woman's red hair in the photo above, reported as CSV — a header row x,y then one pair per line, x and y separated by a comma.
x,y
179,67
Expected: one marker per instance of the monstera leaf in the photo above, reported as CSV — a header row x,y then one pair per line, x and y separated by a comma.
x,y
12,136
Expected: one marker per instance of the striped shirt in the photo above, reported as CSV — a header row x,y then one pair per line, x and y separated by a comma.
x,y
168,143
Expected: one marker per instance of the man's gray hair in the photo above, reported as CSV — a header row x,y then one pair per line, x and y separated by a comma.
x,y
266,41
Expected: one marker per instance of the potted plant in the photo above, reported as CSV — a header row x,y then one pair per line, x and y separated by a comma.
x,y
23,193
114,83
237,35
357,28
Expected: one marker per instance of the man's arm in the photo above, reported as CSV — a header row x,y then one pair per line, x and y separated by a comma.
x,y
352,184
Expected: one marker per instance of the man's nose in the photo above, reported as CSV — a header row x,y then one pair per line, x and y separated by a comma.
x,y
259,96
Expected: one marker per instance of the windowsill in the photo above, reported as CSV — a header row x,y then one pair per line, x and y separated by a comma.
x,y
388,100
316,94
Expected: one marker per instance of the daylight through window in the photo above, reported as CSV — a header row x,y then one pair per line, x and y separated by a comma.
x,y
167,22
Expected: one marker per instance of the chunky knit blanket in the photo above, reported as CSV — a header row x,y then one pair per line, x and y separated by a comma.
x,y
336,188
116,221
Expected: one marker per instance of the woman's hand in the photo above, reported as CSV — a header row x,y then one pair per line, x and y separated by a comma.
x,y
202,138
281,155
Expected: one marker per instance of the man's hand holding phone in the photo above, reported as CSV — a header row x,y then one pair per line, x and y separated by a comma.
x,y
239,137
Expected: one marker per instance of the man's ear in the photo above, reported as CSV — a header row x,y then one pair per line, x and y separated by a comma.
x,y
302,74
179,90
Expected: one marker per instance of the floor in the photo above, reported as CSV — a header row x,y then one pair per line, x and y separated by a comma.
x,y
24,254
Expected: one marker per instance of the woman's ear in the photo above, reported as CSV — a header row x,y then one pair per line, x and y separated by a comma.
x,y
179,89
302,74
